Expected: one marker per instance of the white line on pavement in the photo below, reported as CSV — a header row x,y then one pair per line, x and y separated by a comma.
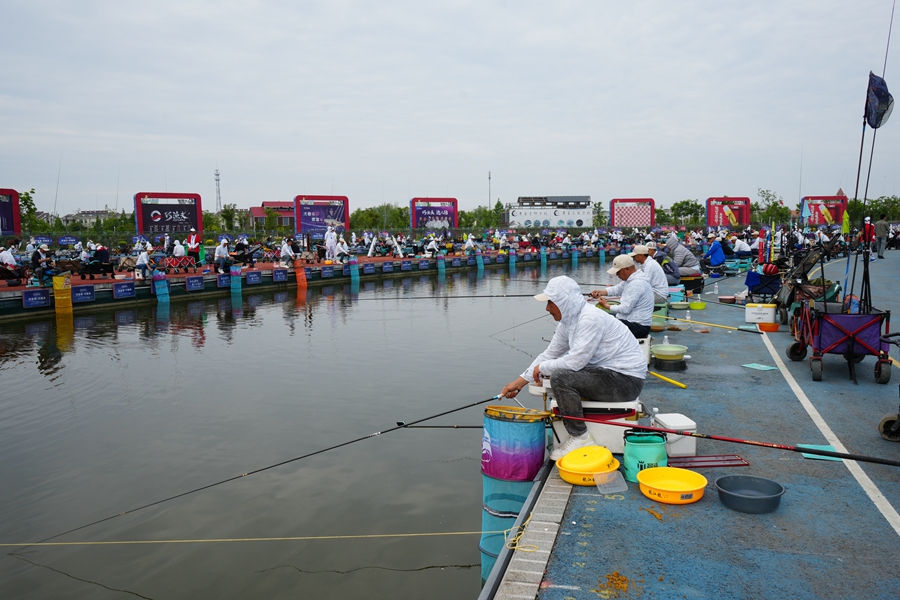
x,y
864,481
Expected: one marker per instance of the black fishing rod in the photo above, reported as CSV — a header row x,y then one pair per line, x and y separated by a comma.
x,y
260,470
405,426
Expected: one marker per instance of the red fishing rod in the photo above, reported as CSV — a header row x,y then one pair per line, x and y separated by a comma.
x,y
720,438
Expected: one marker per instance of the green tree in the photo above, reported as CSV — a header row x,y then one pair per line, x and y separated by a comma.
x,y
773,208
599,213
229,211
28,214
662,217
210,222
58,226
688,212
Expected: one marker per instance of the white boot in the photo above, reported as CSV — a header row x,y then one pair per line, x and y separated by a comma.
x,y
573,443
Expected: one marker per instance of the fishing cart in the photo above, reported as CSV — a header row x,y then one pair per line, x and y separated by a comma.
x,y
762,287
827,329
797,287
889,426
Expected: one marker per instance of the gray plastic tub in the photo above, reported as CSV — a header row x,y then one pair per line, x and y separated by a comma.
x,y
749,494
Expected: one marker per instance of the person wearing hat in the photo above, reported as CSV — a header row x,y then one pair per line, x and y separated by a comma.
x,y
591,355
342,250
42,264
432,249
193,246
654,272
330,243
222,257
635,308
867,237
715,256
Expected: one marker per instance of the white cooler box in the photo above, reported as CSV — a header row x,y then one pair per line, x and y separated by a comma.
x,y
610,436
760,313
678,445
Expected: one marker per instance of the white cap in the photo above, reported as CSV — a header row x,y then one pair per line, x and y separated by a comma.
x,y
638,250
622,261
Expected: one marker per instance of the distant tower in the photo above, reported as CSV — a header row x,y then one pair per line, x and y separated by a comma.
x,y
218,194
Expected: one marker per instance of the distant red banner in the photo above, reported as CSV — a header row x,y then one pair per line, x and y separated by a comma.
x,y
824,210
727,212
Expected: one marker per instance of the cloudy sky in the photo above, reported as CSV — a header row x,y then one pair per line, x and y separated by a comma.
x,y
384,101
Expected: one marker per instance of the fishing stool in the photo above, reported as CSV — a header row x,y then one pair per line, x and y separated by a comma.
x,y
610,436
692,283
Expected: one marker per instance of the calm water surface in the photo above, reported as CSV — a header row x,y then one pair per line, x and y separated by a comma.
x,y
113,410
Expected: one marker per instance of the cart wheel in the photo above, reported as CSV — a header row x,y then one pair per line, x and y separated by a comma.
x,y
816,367
884,428
783,313
882,372
857,358
796,351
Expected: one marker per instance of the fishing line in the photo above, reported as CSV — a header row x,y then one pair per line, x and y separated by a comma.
x,y
260,470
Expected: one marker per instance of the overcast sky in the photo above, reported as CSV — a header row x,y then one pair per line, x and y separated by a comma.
x,y
384,101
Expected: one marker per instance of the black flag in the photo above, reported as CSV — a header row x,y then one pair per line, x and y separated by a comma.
x,y
880,103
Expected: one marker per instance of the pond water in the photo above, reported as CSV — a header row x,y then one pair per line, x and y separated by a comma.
x,y
115,410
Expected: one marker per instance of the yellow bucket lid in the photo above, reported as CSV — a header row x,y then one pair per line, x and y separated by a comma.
x,y
590,459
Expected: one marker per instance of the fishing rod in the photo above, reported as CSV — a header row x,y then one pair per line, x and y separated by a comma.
x,y
404,425
713,325
720,438
260,470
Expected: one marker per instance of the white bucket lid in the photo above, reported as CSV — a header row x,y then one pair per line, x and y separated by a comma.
x,y
675,421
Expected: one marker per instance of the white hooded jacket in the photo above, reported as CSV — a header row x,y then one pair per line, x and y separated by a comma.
x,y
586,338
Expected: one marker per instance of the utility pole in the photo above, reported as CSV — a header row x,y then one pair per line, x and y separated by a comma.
x,y
489,189
218,195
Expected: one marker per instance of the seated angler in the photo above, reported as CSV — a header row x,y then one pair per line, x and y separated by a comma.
x,y
654,272
635,308
591,355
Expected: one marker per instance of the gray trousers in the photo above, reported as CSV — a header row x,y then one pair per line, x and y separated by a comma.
x,y
880,243
600,385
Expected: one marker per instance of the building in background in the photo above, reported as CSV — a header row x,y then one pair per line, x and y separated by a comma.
x,y
87,218
551,211
286,215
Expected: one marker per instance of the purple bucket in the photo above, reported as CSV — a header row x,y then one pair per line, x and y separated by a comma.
x,y
511,448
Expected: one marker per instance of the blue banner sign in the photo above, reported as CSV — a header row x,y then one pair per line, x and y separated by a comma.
x,y
224,236
279,275
406,265
35,298
552,255
83,293
528,256
194,283
501,259
327,272
470,260
254,277
223,280
455,262
67,240
138,238
123,290
424,264
368,268
387,267
43,239
589,253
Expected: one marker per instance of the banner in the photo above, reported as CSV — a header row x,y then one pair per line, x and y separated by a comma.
x,y
315,214
632,212
551,217
160,212
9,213
434,213
824,210
727,212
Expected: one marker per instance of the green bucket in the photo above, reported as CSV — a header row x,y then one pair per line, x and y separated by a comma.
x,y
643,450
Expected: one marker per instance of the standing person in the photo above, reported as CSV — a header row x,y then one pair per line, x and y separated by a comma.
x,y
654,272
867,237
635,308
591,355
167,241
330,243
882,228
193,246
